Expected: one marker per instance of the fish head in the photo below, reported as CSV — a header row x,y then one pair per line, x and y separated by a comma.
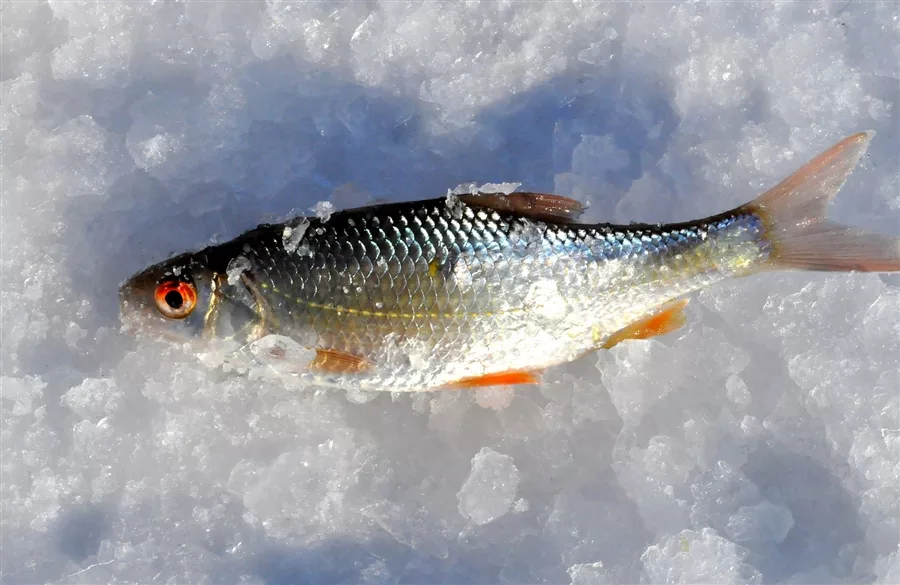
x,y
186,299
168,300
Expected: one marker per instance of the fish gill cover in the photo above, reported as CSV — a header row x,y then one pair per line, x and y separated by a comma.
x,y
759,444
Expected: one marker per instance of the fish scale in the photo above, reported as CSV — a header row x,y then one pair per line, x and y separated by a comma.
x,y
442,279
478,289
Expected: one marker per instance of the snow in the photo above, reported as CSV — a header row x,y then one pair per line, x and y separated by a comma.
x,y
759,444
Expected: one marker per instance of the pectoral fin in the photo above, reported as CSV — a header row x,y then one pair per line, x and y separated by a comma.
x,y
338,362
668,318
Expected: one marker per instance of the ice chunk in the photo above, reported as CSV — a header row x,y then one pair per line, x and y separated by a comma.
x,y
93,53
462,189
737,390
655,477
521,418
24,393
490,488
447,410
589,574
495,398
601,52
156,150
78,157
888,568
764,522
505,188
323,210
697,557
475,188
282,354
357,396
236,267
637,375
94,398
292,236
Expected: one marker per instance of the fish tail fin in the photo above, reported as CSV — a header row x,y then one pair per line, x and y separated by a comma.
x,y
794,214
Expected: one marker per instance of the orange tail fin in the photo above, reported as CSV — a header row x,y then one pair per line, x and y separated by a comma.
x,y
794,213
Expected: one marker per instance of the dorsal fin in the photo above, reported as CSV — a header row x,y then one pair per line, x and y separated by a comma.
x,y
542,206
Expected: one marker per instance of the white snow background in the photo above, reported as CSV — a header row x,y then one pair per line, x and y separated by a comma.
x,y
760,444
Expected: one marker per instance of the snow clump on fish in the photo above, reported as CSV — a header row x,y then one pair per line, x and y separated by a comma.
x,y
761,443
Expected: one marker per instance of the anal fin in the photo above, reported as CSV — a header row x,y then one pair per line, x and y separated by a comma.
x,y
668,318
510,378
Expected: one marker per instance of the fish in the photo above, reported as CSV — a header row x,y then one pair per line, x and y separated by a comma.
x,y
476,290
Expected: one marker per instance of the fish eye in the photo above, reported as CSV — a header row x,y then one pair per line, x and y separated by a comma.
x,y
176,299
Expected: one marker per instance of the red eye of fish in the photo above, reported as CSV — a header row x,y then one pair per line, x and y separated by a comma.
x,y
176,299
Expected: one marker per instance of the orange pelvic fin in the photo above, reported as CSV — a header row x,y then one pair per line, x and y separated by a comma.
x,y
669,318
510,378
338,362
534,205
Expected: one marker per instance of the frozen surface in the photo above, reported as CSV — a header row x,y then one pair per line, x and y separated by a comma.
x,y
759,444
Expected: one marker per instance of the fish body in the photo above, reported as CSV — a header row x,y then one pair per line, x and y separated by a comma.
x,y
482,289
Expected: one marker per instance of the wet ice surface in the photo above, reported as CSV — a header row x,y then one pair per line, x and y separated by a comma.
x,y
760,444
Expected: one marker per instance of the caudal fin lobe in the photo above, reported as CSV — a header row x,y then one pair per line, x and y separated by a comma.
x,y
795,210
